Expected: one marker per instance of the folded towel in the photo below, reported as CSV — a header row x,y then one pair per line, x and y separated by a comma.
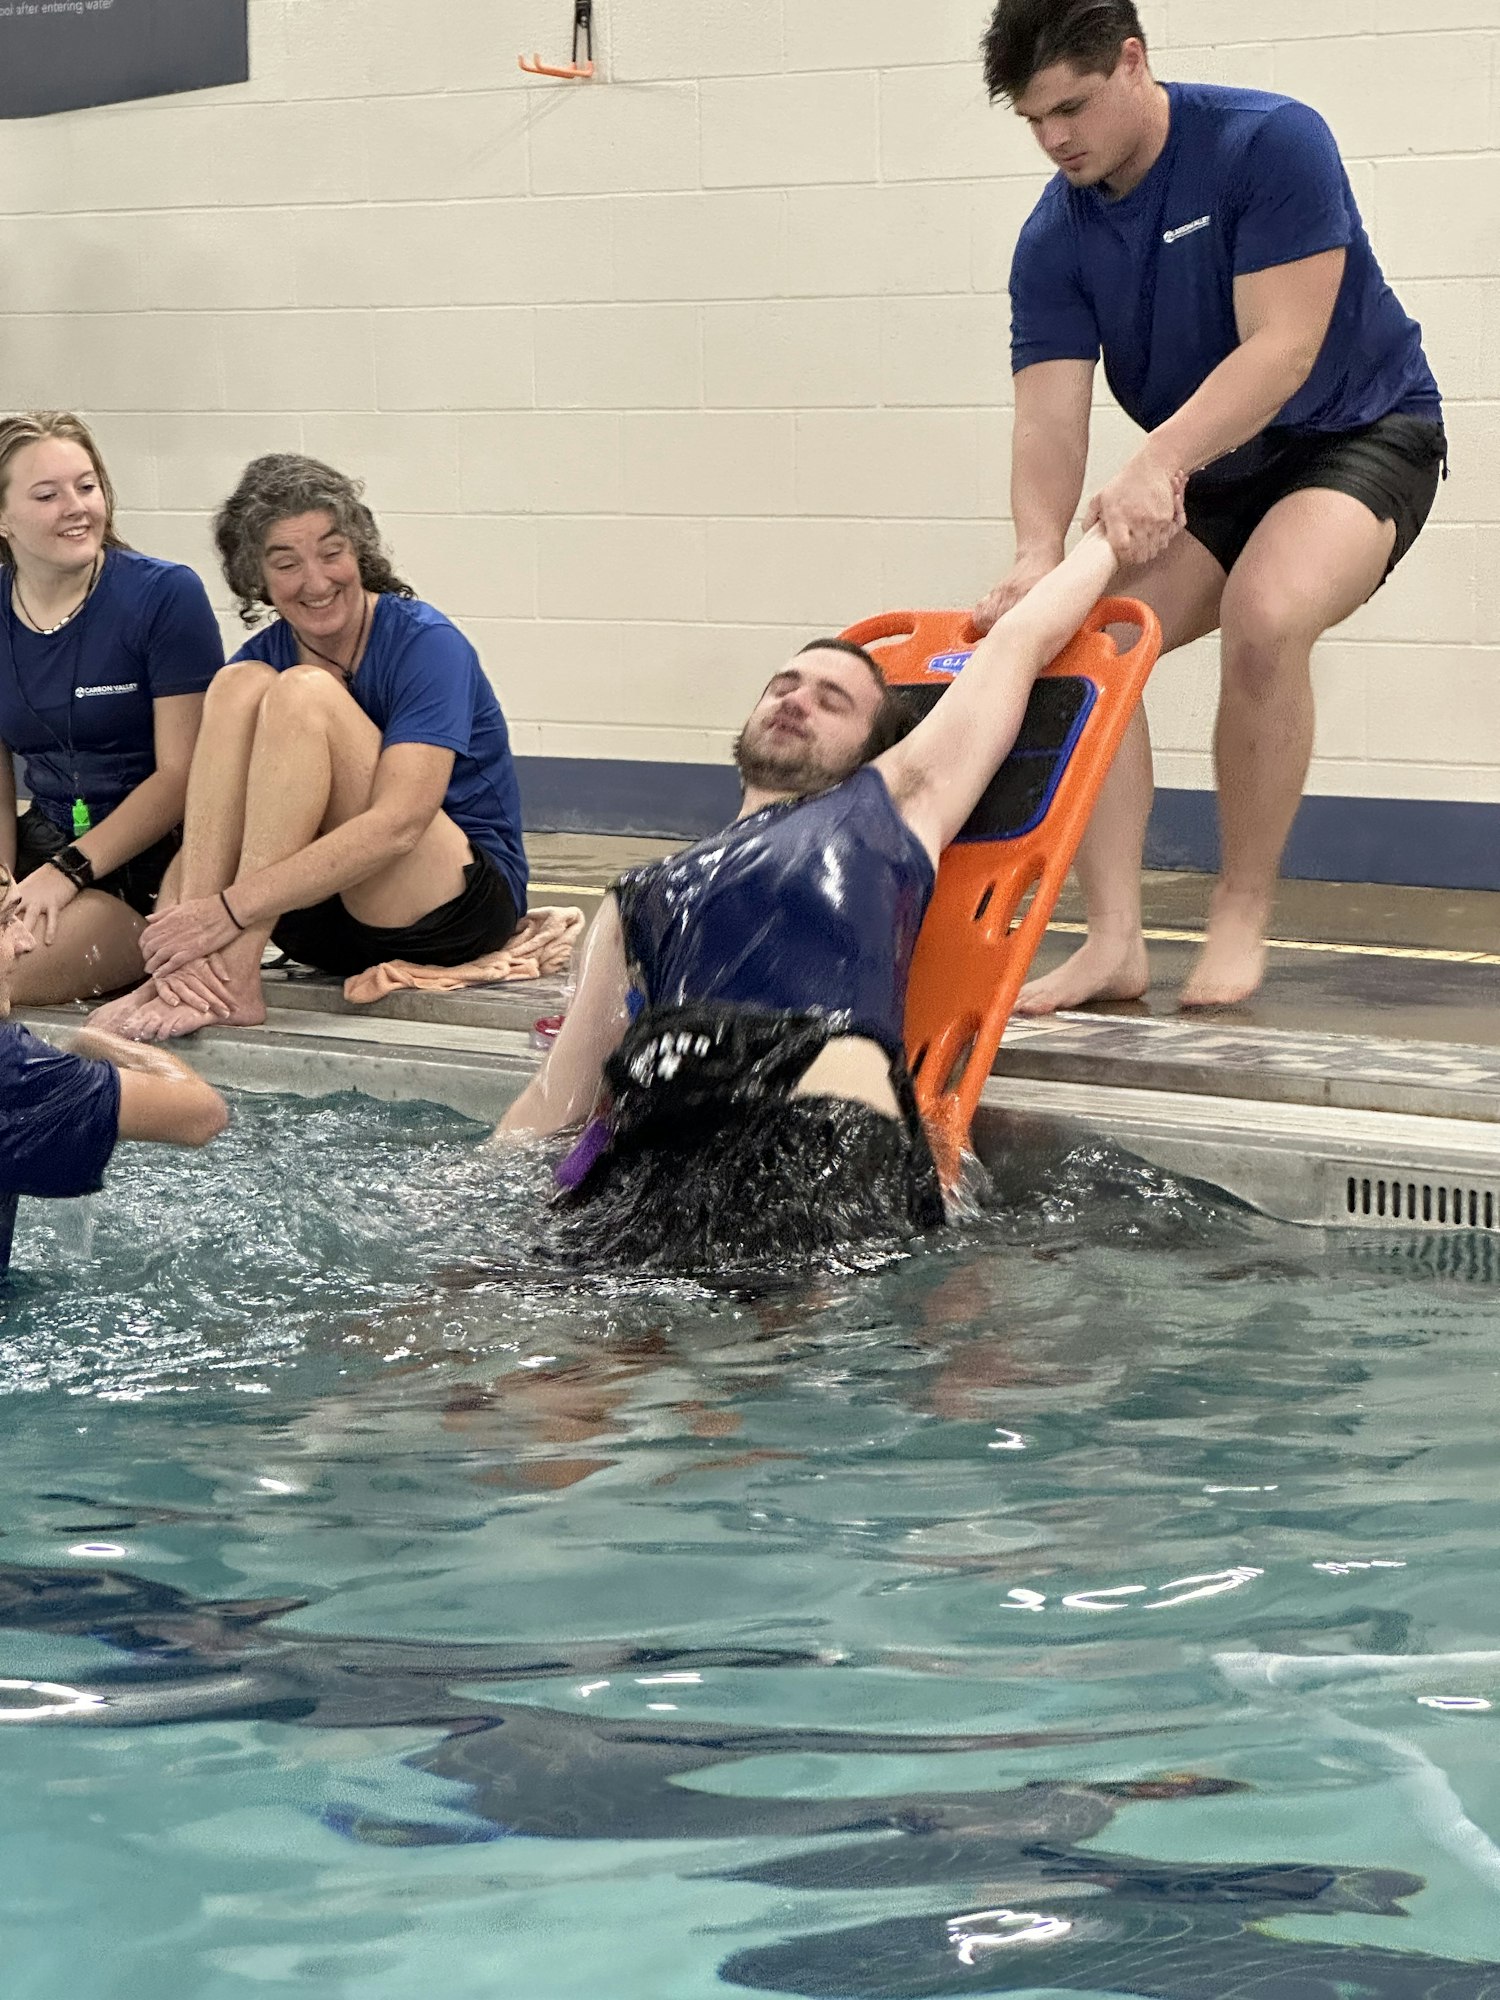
x,y
541,945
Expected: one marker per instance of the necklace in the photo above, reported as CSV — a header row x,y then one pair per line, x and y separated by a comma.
x,y
328,659
82,817
46,631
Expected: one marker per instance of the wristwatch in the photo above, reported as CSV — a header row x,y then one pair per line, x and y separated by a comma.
x,y
75,864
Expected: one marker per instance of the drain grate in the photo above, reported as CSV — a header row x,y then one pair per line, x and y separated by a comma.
x,y
1404,1201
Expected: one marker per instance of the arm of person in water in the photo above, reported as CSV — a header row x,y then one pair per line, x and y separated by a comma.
x,y
938,773
160,1097
564,1089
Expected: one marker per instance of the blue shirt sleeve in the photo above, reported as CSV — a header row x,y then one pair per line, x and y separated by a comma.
x,y
183,647
428,693
269,646
59,1118
1051,318
1294,193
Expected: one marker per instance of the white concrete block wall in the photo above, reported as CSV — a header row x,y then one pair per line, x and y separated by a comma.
x,y
652,377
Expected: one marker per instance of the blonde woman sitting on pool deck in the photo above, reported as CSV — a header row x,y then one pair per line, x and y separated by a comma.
x,y
105,656
353,797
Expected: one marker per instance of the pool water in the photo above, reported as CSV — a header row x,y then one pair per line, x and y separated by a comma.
x,y
1099,1601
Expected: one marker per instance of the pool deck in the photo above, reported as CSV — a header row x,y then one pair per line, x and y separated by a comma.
x,y
1380,1005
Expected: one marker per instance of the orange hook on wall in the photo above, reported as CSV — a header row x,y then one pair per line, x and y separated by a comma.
x,y
582,66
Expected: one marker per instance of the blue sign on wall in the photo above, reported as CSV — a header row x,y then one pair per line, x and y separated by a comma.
x,y
60,55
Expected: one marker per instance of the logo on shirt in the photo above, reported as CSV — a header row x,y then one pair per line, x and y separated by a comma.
x,y
1187,229
114,687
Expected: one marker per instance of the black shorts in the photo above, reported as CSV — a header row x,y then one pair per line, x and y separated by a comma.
x,y
136,882
480,918
715,1168
1393,466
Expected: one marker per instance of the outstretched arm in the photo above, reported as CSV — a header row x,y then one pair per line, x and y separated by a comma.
x,y
160,1097
563,1091
938,773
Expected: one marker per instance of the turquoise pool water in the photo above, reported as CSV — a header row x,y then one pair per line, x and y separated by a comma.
x,y
1100,1602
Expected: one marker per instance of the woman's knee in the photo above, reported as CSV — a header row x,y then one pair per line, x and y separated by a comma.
x,y
301,696
240,686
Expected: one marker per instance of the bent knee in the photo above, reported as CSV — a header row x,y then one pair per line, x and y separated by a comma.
x,y
1263,641
302,691
242,682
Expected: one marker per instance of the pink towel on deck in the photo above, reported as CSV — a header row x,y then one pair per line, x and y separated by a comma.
x,y
543,944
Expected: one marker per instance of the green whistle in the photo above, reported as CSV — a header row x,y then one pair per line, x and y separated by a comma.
x,y
81,820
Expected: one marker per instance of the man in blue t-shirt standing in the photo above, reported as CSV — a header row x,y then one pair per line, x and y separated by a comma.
x,y
1206,242
62,1112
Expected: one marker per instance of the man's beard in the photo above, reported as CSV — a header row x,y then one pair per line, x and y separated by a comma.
x,y
767,763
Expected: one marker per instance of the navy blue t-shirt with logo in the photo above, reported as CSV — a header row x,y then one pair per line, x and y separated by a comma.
x,y
76,706
59,1121
421,681
1247,181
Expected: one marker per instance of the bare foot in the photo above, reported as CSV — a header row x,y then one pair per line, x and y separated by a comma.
x,y
1232,963
162,1020
1102,968
115,1013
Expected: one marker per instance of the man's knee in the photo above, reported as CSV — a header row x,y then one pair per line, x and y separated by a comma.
x,y
1265,645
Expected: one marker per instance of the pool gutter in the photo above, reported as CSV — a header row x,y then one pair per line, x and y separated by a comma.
x,y
1325,1130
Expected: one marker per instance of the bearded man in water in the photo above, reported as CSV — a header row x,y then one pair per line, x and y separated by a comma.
x,y
743,1001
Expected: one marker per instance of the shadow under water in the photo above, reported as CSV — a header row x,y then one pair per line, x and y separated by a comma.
x,y
1106,1922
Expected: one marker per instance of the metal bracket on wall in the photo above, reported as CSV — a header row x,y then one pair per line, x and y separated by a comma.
x,y
582,66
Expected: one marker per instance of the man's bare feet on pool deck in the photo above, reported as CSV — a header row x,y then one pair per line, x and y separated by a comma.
x,y
1102,968
1232,962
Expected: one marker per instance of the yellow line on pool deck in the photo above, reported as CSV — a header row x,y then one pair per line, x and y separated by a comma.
x,y
1421,954
1425,954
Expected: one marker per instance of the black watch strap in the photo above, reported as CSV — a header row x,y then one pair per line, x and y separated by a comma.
x,y
75,864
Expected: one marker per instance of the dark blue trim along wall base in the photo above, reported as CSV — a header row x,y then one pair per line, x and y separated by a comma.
x,y
1423,843
606,795
1413,843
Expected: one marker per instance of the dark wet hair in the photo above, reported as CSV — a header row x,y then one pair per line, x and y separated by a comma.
x,y
894,718
1027,36
279,488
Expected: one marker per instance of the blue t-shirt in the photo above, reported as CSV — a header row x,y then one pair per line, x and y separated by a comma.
x,y
76,707
59,1121
807,906
1247,181
420,681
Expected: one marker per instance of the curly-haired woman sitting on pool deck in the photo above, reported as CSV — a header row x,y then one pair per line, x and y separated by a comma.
x,y
353,797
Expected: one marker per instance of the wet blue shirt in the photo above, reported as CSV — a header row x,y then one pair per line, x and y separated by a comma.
x,y
421,682
808,907
1247,181
59,1121
76,706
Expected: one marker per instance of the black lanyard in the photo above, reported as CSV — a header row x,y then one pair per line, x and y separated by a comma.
x,y
82,818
